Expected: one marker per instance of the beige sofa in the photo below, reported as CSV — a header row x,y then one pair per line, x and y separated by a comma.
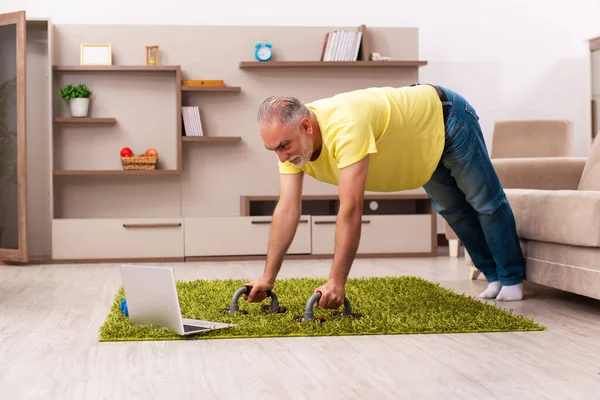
x,y
524,139
556,202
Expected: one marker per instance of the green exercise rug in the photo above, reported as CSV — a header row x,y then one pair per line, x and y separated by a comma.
x,y
389,305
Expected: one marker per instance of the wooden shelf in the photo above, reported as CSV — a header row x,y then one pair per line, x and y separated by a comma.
x,y
211,89
410,195
89,120
111,172
135,68
331,64
222,139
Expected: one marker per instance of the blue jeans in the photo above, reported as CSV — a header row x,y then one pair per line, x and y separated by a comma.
x,y
466,191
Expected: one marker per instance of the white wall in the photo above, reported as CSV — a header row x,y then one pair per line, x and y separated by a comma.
x,y
511,59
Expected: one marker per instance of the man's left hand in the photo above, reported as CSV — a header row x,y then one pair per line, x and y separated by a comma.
x,y
332,295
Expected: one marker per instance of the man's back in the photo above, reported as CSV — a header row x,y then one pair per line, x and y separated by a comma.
x,y
401,128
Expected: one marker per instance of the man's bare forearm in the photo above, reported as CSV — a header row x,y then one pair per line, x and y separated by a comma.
x,y
283,230
347,238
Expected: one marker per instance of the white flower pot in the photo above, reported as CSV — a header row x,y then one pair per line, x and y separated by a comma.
x,y
79,107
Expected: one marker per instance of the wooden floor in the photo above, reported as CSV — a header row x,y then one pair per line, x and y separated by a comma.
x,y
50,314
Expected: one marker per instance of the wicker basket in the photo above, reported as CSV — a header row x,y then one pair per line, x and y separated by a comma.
x,y
139,162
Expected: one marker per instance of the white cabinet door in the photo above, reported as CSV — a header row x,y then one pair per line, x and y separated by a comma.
x,y
380,234
107,238
238,236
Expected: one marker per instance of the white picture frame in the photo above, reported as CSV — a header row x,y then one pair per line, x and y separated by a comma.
x,y
96,54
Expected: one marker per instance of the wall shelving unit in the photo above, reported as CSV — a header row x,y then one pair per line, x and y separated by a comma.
x,y
101,214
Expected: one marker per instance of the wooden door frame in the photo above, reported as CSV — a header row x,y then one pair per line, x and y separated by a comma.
x,y
21,254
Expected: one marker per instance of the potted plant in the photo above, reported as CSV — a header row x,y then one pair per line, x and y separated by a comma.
x,y
78,97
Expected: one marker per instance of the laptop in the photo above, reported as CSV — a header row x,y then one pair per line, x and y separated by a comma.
x,y
151,297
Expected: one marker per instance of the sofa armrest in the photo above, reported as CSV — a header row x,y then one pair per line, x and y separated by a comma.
x,y
569,217
548,173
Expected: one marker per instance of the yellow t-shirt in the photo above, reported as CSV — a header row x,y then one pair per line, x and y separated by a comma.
x,y
401,128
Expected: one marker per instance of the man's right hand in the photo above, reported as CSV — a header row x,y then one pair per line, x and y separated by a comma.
x,y
283,228
259,289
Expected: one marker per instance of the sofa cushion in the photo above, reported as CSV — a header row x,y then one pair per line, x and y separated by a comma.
x,y
555,173
558,216
532,138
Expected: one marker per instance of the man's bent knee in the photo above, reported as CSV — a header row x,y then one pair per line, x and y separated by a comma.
x,y
489,206
452,213
485,202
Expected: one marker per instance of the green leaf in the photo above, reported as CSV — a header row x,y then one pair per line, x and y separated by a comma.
x,y
71,91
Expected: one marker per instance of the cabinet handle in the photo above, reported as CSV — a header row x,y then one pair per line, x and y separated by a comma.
x,y
364,221
302,221
160,225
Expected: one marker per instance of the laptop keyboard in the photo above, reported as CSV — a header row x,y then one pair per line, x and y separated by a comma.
x,y
189,328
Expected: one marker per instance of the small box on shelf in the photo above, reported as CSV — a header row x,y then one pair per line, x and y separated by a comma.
x,y
144,161
139,162
203,82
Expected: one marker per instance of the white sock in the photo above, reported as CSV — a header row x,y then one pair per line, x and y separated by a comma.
x,y
492,290
511,293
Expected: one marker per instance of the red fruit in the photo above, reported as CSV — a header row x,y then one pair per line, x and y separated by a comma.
x,y
151,153
126,152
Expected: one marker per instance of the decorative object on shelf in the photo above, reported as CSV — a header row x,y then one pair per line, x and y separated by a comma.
x,y
78,97
263,51
145,161
151,55
379,57
192,125
96,54
126,152
203,82
341,45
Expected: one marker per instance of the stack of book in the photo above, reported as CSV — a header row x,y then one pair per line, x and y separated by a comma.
x,y
192,126
341,46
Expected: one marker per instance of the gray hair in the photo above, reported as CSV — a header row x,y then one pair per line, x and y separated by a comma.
x,y
283,109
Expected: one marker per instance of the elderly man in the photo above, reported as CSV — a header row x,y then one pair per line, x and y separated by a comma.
x,y
390,139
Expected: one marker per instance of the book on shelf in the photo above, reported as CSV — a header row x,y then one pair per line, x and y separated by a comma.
x,y
192,126
341,45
